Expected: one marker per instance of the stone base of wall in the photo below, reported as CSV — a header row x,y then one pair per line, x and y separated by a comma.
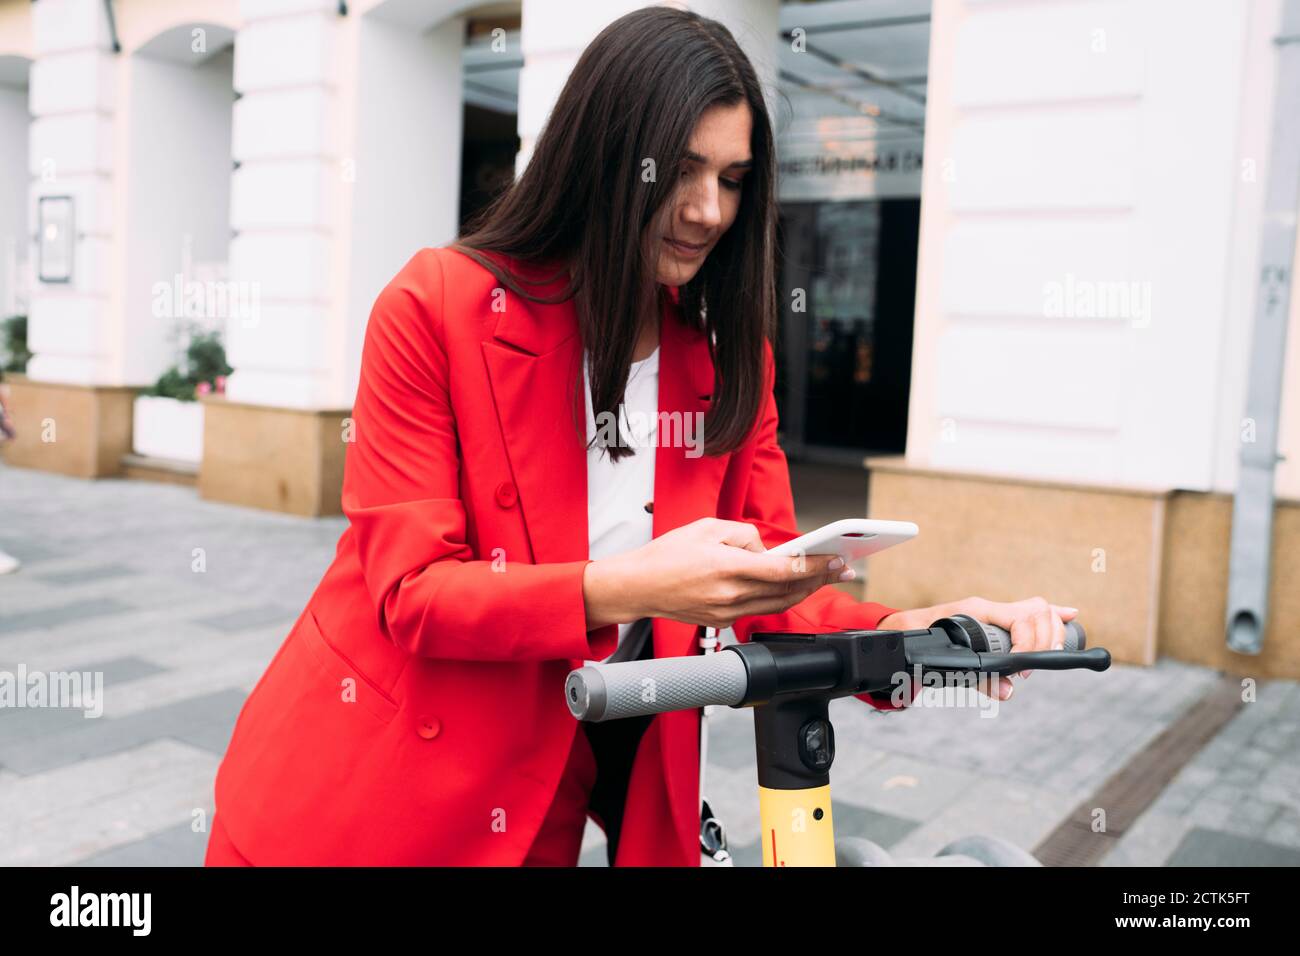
x,y
78,430
1148,570
1194,599
279,459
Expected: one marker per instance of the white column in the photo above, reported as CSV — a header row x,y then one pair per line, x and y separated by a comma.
x,y
284,197
402,80
15,230
348,139
556,32
71,154
1087,221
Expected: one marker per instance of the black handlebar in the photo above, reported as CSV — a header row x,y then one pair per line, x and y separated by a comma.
x,y
832,665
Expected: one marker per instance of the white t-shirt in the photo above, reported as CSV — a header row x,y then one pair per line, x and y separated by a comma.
x,y
618,492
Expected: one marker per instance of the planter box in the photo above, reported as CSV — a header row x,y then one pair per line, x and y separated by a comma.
x,y
168,428
94,427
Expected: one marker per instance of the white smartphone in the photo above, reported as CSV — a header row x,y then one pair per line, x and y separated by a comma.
x,y
850,538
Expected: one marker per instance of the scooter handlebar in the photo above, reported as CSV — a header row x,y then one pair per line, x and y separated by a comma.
x,y
599,692
984,637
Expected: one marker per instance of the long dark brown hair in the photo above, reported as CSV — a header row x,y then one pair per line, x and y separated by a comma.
x,y
636,94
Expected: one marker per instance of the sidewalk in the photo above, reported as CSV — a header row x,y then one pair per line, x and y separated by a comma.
x,y
109,583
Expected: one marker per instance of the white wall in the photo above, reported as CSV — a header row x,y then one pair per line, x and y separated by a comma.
x,y
14,231
409,92
289,60
179,133
1249,184
348,135
73,100
1086,142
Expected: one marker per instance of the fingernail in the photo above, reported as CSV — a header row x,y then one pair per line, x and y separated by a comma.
x,y
1074,610
1011,689
836,564
848,575
1057,647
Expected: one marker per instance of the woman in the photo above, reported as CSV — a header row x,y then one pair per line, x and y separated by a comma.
x,y
414,714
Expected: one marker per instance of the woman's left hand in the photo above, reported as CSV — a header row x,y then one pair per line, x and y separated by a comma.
x,y
1034,623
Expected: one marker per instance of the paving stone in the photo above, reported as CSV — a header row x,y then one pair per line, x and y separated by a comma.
x,y
110,673
1285,829
249,617
30,724
731,747
70,813
204,722
748,854
853,820
1242,775
1206,847
596,856
903,786
1212,814
28,551
179,845
1175,799
1008,809
60,614
85,575
150,635
1197,776
1149,841
1253,816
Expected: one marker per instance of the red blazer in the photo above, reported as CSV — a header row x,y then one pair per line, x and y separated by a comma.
x,y
414,714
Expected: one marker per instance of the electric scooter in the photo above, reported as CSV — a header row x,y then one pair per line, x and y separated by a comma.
x,y
789,680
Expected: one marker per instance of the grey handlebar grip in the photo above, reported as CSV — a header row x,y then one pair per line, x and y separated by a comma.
x,y
1000,640
599,692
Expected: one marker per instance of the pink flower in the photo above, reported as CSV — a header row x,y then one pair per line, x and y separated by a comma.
x,y
203,388
221,384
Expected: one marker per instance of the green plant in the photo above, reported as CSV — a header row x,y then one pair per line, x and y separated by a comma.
x,y
16,353
206,357
205,365
172,384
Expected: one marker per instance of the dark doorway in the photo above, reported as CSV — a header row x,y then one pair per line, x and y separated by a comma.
x,y
491,142
848,286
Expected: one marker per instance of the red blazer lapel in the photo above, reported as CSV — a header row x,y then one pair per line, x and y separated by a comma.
x,y
533,364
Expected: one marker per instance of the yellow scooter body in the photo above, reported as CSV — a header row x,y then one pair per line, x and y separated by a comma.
x,y
797,827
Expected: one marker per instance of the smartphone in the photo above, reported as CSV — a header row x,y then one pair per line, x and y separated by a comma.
x,y
850,538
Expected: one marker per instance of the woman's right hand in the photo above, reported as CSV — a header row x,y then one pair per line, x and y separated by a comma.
x,y
710,572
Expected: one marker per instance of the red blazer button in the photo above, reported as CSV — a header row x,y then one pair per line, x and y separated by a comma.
x,y
429,727
507,495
